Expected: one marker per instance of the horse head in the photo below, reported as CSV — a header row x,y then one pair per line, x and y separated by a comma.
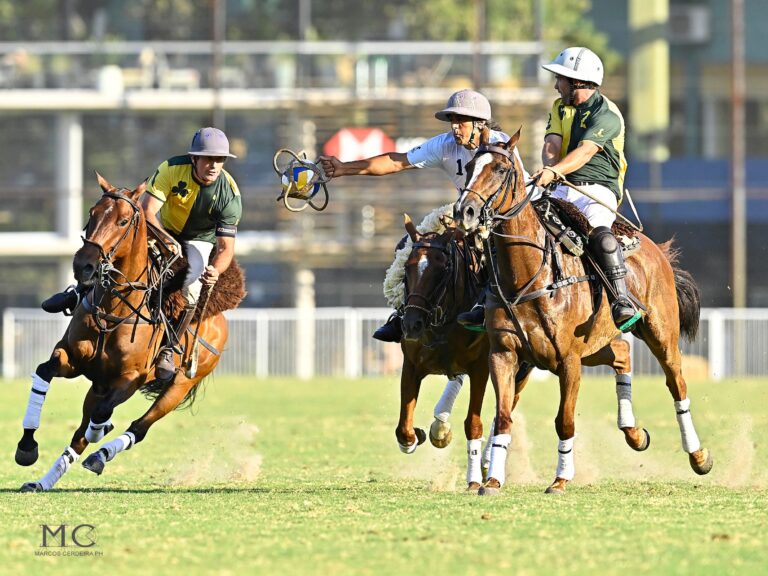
x,y
493,182
429,279
114,224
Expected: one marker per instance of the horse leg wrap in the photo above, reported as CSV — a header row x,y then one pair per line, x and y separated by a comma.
x,y
566,469
35,403
474,473
626,417
123,442
498,467
96,432
59,468
445,404
685,422
486,461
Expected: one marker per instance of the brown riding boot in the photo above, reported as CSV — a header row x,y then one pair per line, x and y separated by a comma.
x,y
165,368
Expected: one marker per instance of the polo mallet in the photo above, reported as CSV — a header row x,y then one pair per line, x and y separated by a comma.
x,y
191,365
300,179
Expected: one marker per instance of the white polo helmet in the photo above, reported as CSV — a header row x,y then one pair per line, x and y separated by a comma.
x,y
466,103
578,63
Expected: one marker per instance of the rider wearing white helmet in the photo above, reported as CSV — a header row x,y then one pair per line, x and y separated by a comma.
x,y
469,112
585,142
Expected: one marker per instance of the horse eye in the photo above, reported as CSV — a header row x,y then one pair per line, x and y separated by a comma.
x,y
124,222
500,169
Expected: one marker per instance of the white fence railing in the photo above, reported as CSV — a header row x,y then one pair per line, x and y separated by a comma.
x,y
337,342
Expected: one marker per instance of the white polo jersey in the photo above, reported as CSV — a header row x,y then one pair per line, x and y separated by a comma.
x,y
443,152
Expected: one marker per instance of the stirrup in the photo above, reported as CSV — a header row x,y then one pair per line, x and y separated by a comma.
x,y
470,321
627,325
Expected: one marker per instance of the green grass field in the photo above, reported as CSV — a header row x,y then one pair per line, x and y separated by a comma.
x,y
290,477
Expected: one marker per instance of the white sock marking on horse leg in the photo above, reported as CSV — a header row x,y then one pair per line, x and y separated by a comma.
x,y
122,442
566,469
96,432
59,468
474,473
498,466
486,461
626,417
444,406
685,422
35,403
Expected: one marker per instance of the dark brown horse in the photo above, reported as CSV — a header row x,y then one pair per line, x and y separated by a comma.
x,y
561,327
113,338
443,277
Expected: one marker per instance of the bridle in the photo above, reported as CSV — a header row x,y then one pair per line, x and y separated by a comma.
x,y
114,283
488,216
433,303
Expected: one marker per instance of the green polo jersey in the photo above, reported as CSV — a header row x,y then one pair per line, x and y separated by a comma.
x,y
597,120
191,211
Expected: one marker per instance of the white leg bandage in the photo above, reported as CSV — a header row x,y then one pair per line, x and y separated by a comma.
x,y
474,449
565,466
59,468
687,431
122,442
444,406
486,461
35,402
498,467
626,417
96,432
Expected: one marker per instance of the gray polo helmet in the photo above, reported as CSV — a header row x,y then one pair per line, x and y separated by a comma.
x,y
466,103
210,142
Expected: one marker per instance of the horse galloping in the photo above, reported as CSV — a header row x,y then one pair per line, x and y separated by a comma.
x,y
113,338
566,319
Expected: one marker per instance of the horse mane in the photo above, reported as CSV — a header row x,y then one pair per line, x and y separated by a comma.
x,y
227,294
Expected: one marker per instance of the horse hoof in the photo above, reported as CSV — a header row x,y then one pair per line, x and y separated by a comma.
x,y
701,461
26,457
440,434
94,463
638,444
557,487
421,436
473,488
489,491
31,487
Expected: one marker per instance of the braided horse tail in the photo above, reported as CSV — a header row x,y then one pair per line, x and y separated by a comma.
x,y
688,298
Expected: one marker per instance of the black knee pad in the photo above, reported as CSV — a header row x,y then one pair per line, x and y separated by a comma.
x,y
603,239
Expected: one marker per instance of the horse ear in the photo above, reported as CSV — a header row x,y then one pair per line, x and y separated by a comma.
x,y
411,228
512,142
140,189
105,186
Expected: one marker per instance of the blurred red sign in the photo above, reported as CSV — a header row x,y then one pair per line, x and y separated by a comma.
x,y
358,143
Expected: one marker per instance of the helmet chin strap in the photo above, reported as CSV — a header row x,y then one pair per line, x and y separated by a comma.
x,y
568,97
474,129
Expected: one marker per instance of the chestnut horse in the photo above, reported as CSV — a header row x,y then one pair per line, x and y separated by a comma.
x,y
112,339
560,325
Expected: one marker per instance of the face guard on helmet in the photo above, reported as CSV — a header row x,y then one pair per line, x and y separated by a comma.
x,y
300,179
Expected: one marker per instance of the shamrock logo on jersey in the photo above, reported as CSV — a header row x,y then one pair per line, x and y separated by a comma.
x,y
180,189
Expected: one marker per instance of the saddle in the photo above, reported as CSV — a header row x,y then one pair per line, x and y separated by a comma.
x,y
571,228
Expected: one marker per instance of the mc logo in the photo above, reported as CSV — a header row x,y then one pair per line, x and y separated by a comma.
x,y
79,536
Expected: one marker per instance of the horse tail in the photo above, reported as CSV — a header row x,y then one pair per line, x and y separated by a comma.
x,y
688,298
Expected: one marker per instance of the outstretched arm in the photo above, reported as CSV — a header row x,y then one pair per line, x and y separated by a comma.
x,y
387,163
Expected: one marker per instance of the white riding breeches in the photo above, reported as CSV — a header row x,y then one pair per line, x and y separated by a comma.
x,y
198,253
596,214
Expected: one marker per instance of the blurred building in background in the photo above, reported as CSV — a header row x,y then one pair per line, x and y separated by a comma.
x,y
111,86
